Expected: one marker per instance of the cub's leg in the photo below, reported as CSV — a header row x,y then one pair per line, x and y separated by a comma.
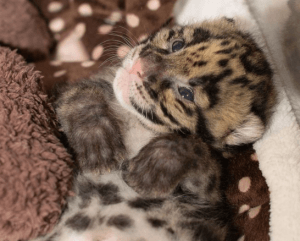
x,y
172,162
90,124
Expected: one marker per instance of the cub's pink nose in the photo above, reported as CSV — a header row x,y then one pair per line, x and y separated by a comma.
x,y
137,69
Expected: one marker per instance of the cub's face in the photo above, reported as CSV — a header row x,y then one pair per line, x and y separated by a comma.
x,y
208,79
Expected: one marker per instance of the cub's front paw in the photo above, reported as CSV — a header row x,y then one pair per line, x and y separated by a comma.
x,y
99,148
161,165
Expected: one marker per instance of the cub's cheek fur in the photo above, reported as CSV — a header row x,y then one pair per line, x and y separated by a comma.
x,y
168,161
248,132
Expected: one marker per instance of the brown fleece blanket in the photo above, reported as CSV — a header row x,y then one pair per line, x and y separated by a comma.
x,y
35,169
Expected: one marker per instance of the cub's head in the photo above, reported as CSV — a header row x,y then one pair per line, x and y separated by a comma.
x,y
208,79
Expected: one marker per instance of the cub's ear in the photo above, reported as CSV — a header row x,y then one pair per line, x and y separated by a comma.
x,y
248,132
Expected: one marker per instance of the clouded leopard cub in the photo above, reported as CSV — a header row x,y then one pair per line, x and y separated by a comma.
x,y
161,121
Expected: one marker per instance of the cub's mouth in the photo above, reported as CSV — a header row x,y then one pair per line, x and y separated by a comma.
x,y
131,87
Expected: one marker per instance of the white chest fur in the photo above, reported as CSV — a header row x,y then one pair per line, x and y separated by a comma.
x,y
135,135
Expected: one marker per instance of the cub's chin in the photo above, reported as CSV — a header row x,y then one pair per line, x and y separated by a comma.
x,y
125,81
131,94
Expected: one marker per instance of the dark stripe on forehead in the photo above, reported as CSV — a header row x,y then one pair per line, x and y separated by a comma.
x,y
171,34
211,87
213,79
209,79
200,35
243,81
223,62
150,115
168,115
225,51
196,81
202,48
199,63
165,84
209,83
260,68
180,32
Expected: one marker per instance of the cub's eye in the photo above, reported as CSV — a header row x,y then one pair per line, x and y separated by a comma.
x,y
177,45
186,93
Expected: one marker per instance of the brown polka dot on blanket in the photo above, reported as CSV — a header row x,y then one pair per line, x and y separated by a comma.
x,y
97,52
244,184
79,30
153,4
56,25
244,208
85,10
35,168
105,29
55,7
122,51
132,20
253,212
87,64
254,157
56,72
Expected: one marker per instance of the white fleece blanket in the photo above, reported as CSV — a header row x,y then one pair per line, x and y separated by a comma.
x,y
279,150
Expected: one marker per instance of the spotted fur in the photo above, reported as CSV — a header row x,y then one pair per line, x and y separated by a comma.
x,y
151,136
106,208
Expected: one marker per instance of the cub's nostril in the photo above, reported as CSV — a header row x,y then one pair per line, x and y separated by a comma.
x,y
139,74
